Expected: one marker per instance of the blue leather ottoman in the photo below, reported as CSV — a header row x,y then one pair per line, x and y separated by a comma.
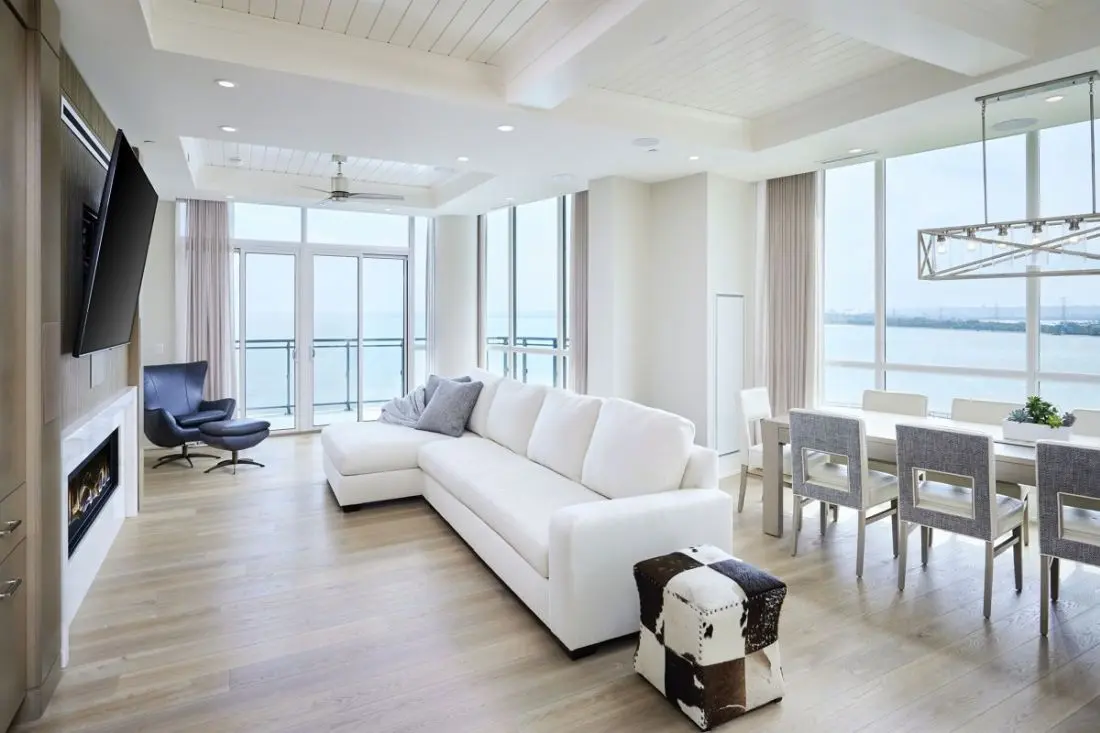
x,y
234,436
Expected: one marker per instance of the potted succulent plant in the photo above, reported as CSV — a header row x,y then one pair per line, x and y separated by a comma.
x,y
1038,420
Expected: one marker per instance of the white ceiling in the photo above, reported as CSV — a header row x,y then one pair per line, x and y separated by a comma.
x,y
273,159
751,88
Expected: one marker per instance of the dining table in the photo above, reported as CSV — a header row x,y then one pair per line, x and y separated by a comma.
x,y
1014,461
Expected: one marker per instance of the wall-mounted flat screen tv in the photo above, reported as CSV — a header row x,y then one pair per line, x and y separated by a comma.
x,y
116,254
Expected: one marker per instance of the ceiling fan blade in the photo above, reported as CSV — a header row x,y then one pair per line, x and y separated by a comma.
x,y
319,190
325,202
376,196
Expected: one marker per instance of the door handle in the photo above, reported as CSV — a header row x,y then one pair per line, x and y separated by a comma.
x,y
9,527
10,588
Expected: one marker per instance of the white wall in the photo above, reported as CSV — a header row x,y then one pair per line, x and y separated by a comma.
x,y
454,306
658,257
618,221
157,304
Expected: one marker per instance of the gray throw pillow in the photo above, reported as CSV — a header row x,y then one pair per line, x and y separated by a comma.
x,y
450,407
433,383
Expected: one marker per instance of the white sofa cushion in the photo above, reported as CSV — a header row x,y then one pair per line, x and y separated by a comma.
x,y
563,431
479,418
513,414
374,447
636,450
512,495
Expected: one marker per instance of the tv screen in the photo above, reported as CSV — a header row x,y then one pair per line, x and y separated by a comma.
x,y
117,251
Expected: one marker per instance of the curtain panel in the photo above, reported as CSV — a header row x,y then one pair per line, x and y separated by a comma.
x,y
578,324
791,290
209,294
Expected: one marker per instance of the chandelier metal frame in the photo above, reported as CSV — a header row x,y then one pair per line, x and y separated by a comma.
x,y
1060,236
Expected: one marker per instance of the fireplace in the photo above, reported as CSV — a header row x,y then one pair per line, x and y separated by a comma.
x,y
90,486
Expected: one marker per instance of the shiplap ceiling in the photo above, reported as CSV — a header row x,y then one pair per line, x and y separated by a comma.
x,y
472,30
747,61
270,159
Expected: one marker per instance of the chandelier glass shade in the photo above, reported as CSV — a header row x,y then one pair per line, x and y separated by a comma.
x,y
1040,247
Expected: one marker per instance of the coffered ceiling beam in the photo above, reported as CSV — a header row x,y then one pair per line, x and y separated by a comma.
x,y
951,34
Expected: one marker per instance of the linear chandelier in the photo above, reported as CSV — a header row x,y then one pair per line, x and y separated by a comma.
x,y
1041,247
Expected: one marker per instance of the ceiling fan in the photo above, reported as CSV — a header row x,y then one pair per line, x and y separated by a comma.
x,y
338,188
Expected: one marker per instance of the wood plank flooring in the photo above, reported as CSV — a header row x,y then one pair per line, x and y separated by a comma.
x,y
252,603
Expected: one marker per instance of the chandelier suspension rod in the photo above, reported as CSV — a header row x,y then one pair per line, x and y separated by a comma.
x,y
985,172
1092,138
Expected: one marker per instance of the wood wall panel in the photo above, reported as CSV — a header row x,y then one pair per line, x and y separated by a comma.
x,y
82,184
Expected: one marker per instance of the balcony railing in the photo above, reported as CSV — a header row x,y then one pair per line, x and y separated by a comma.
x,y
280,381
522,357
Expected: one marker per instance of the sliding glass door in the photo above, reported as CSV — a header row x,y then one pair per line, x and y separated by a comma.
x,y
335,335
385,323
269,359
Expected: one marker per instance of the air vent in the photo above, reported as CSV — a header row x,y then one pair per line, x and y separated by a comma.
x,y
848,158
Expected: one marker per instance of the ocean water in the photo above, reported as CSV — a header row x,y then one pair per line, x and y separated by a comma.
x,y
958,348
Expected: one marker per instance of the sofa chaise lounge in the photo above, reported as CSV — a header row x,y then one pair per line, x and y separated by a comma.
x,y
559,494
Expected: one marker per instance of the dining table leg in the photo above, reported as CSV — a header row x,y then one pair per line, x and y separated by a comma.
x,y
773,480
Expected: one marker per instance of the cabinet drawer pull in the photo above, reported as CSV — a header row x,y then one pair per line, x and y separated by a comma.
x,y
10,588
9,527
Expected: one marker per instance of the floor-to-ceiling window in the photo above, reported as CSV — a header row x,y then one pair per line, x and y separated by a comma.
x,y
332,310
525,294
884,327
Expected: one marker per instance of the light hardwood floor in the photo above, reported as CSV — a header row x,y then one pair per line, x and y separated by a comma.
x,y
252,603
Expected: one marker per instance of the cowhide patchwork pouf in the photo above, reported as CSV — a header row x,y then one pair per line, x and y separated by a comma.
x,y
709,633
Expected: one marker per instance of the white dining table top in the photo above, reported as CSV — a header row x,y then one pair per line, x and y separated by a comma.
x,y
881,427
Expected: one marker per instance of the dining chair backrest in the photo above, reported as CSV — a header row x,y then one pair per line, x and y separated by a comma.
x,y
965,507
1067,477
756,405
1087,423
898,403
983,412
819,442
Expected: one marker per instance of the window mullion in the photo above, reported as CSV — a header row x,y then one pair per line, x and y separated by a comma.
x,y
880,274
1033,284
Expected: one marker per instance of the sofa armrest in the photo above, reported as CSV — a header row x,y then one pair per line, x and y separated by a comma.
x,y
593,549
226,406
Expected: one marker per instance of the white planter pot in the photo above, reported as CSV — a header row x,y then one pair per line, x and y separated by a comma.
x,y
1027,432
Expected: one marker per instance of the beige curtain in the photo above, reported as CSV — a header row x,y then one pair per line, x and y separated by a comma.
x,y
578,324
791,289
209,294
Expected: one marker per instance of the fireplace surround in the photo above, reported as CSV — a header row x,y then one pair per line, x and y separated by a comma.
x,y
91,484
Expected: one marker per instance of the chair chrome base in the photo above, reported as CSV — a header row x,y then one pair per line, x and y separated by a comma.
x,y
234,461
183,455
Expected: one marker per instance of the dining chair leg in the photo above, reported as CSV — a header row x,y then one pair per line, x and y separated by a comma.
x,y
987,607
1055,581
1026,524
929,538
1018,558
836,512
861,541
744,486
894,524
903,544
824,511
925,541
1044,594
796,524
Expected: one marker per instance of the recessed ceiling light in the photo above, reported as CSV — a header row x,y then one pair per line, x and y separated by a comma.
x,y
388,209
693,157
855,151
230,196
506,128
227,128
463,159
226,83
1055,98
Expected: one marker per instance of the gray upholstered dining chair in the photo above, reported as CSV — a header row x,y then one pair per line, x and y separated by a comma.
x,y
962,499
829,458
1069,513
989,412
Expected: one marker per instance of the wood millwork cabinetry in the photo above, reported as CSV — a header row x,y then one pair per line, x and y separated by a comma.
x,y
14,517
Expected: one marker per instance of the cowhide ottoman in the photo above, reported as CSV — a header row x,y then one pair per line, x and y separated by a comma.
x,y
709,633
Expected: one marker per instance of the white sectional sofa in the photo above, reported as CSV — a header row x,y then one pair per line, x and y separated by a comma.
x,y
559,494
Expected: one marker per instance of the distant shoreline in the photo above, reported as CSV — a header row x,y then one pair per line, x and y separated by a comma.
x,y
1062,328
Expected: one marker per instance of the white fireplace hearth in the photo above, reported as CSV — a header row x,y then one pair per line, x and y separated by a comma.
x,y
78,441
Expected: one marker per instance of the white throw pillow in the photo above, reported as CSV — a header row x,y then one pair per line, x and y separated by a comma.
x,y
513,413
479,418
636,450
563,431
